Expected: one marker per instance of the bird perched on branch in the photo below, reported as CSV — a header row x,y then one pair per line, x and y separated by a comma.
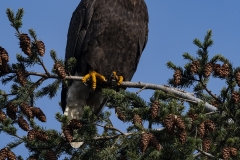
x,y
107,38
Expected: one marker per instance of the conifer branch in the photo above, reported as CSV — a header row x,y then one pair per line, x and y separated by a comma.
x,y
110,127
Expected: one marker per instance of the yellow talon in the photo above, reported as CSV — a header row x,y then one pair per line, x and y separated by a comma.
x,y
118,78
94,76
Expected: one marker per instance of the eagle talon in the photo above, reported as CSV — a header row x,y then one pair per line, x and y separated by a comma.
x,y
119,79
93,76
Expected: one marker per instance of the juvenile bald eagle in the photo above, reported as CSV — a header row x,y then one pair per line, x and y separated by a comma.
x,y
104,36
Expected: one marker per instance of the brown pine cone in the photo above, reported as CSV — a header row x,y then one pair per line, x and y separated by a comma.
x,y
32,134
177,77
195,66
68,133
201,129
4,153
226,153
154,109
21,77
233,151
179,123
154,142
237,78
51,155
60,70
119,114
40,47
217,70
26,110
209,126
5,67
25,44
206,144
11,155
37,112
2,116
208,70
225,69
3,55
169,122
12,111
192,116
42,136
235,97
75,124
23,123
183,136
145,140
137,119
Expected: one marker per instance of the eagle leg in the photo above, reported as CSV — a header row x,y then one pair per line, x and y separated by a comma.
x,y
118,78
93,76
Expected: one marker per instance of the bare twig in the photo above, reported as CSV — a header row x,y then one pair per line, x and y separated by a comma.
x,y
206,153
110,127
141,89
42,64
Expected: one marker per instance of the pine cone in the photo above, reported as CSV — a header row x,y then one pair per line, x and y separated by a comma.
x,y
21,77
233,151
195,66
235,97
209,126
217,70
40,47
51,155
208,70
154,142
119,114
68,133
11,155
192,116
201,129
39,114
3,55
169,122
12,111
75,124
23,123
145,139
25,44
5,67
4,153
32,134
2,116
154,109
42,136
206,144
60,70
225,153
225,69
237,78
26,110
179,123
137,119
177,77
183,136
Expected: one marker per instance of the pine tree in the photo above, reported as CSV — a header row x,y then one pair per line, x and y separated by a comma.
x,y
204,132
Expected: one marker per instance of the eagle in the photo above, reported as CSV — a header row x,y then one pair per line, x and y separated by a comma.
x,y
107,38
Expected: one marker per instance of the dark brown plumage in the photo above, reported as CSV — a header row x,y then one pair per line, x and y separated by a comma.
x,y
104,36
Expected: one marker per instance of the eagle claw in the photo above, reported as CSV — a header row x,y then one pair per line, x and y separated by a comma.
x,y
119,79
94,76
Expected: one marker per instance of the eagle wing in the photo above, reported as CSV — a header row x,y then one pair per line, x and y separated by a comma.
x,y
77,30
